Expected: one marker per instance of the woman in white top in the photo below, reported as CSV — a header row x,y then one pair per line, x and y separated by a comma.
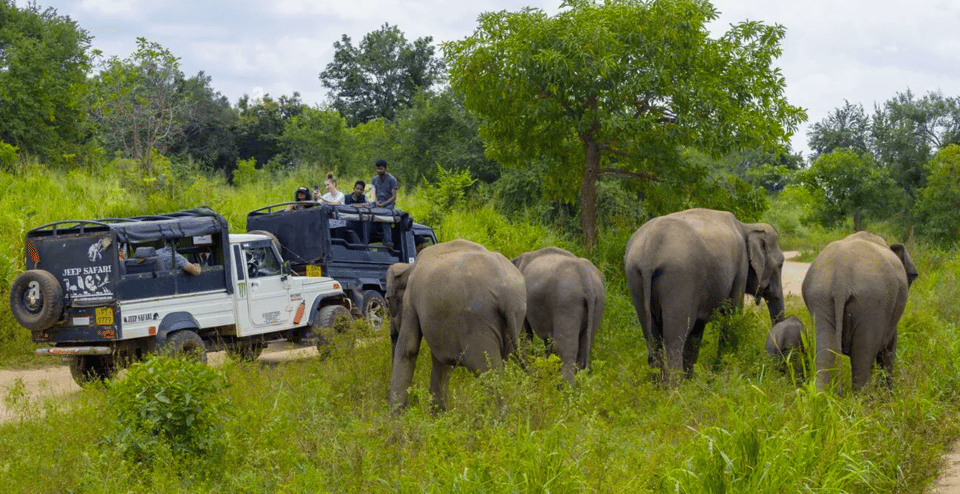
x,y
333,196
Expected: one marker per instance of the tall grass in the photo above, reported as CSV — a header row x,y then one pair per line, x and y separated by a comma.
x,y
740,424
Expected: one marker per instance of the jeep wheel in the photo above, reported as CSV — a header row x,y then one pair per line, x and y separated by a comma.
x,y
325,325
185,343
374,309
92,368
36,299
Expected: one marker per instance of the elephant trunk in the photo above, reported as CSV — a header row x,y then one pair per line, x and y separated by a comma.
x,y
775,306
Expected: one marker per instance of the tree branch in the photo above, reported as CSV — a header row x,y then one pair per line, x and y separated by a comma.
x,y
637,175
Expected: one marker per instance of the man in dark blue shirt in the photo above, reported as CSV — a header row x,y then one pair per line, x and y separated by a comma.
x,y
358,198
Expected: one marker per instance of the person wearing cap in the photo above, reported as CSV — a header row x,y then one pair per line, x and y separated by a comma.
x,y
301,196
385,196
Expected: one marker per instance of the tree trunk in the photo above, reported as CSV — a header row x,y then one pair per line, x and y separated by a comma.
x,y
588,194
857,221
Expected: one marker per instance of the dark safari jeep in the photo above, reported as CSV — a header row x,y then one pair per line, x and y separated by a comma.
x,y
345,242
99,293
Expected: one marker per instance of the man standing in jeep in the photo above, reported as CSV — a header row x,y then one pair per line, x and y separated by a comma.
x,y
385,196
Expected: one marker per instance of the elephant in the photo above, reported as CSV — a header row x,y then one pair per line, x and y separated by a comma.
x,y
784,336
565,300
856,291
467,302
683,266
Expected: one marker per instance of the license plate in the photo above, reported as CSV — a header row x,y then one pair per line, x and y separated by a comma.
x,y
104,316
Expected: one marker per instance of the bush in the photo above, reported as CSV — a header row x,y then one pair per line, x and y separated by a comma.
x,y
168,403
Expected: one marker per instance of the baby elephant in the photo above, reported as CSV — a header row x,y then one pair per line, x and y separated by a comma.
x,y
565,300
785,336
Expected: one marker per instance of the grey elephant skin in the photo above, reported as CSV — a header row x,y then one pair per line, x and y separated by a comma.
x,y
785,336
467,302
565,301
683,266
856,291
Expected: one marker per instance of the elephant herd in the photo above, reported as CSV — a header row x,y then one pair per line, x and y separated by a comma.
x,y
471,304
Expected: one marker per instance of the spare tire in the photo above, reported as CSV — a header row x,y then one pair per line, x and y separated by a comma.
x,y
36,299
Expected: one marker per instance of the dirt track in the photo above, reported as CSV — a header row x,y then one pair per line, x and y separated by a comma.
x,y
56,382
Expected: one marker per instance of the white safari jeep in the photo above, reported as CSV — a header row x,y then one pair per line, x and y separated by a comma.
x,y
101,293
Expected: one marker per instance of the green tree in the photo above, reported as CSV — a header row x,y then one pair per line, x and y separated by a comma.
x,y
938,208
318,137
43,83
847,127
908,131
438,131
209,130
261,126
381,75
620,87
139,107
851,185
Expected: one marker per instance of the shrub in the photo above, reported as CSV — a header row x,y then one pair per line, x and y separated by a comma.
x,y
168,402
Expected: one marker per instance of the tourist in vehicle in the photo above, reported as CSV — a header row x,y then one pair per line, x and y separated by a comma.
x,y
385,186
333,196
357,198
385,196
302,197
170,259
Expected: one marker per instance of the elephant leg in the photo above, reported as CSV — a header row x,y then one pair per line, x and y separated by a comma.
x,y
566,344
440,384
691,347
405,360
481,353
887,358
828,350
675,337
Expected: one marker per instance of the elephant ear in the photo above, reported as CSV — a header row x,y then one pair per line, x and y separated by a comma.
x,y
522,260
908,265
757,252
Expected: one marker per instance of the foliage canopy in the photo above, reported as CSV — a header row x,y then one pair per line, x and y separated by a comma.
x,y
380,75
619,87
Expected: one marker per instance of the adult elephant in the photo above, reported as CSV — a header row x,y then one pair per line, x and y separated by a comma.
x,y
565,300
683,266
467,302
855,291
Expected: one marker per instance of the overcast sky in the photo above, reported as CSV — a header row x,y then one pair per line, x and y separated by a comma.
x,y
862,51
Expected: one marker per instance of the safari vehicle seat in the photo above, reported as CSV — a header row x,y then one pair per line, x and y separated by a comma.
x,y
144,260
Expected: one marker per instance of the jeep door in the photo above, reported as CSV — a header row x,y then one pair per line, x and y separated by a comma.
x,y
267,287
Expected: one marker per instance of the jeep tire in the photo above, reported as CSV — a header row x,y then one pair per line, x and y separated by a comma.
x,y
374,309
185,343
36,299
92,368
324,325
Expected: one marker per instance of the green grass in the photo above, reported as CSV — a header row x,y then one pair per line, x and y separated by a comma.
x,y
740,424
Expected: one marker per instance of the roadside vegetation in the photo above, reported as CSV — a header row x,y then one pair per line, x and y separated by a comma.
x,y
741,424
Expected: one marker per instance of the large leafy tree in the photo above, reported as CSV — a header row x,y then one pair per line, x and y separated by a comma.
x,y
44,60
938,206
846,127
261,125
851,185
208,131
908,131
437,131
381,75
139,106
317,137
620,87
